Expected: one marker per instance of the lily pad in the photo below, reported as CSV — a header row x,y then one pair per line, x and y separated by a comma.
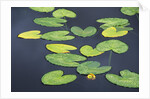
x,y
130,10
43,9
60,48
64,13
50,21
66,60
124,28
114,45
57,36
89,51
89,31
92,67
112,32
127,79
56,78
34,34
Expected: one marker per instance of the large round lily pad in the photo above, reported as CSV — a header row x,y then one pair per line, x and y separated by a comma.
x,y
56,78
130,10
114,45
92,67
127,79
42,9
66,60
64,13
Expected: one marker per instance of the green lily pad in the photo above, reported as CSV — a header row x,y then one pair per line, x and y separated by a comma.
x,y
112,32
34,34
60,48
92,67
64,13
114,45
127,79
89,31
66,60
130,10
43,9
89,51
50,21
124,28
57,36
56,78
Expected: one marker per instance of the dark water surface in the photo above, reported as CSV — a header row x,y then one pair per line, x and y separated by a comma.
x,y
28,56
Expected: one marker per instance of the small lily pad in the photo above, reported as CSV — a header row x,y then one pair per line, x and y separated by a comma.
x,y
56,78
127,79
43,9
35,34
89,51
60,48
66,60
57,36
112,32
64,13
130,10
92,67
114,45
89,31
50,21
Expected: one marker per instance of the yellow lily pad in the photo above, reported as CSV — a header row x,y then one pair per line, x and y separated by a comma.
x,y
60,48
112,32
30,34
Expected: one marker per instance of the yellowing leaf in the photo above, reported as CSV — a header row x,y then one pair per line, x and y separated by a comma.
x,y
112,32
60,48
89,51
30,35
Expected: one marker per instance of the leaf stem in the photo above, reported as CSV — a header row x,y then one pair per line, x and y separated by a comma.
x,y
137,16
110,55
66,24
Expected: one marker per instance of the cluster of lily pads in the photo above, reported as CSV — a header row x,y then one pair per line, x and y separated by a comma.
x,y
112,27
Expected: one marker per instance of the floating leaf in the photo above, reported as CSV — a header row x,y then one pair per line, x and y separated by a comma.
x,y
60,48
56,78
89,31
30,34
57,36
91,76
66,60
114,45
89,51
92,67
42,9
130,10
112,32
124,28
127,79
50,21
64,13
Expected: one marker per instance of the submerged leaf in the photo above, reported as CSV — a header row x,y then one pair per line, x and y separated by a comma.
x,y
114,45
112,32
89,31
89,51
64,13
50,21
92,67
42,9
34,34
56,78
60,48
127,79
57,36
66,60
130,10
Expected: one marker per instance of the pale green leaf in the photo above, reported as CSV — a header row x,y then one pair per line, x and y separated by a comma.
x,y
50,21
57,36
66,60
89,31
64,13
34,34
42,9
127,79
60,48
56,78
114,45
130,10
